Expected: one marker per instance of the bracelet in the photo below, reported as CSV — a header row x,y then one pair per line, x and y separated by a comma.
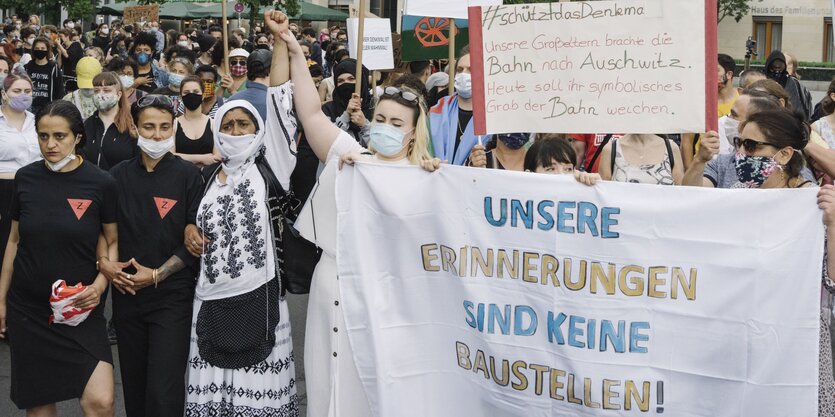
x,y
155,276
99,260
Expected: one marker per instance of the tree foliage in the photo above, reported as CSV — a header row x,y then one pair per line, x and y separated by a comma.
x,y
76,9
291,7
732,8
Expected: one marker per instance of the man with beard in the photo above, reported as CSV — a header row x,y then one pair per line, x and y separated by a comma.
x,y
799,96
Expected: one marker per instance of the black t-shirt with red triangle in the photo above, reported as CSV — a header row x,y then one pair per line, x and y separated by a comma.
x,y
60,217
154,210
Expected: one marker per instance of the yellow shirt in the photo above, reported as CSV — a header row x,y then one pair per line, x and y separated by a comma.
x,y
725,108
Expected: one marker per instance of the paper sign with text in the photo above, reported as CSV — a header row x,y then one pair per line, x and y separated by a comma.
x,y
501,294
377,50
636,66
146,13
445,8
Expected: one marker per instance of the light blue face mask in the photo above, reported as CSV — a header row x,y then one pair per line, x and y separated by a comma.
x,y
386,139
174,80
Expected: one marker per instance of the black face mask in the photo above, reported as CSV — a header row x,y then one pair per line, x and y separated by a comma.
x,y
344,92
267,47
19,51
782,77
192,101
39,54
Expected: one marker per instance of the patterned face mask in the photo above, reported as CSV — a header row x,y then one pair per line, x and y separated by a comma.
x,y
752,171
208,89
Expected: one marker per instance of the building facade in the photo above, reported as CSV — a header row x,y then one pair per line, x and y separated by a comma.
x,y
802,28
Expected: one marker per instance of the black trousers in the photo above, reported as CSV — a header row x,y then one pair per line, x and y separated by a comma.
x,y
153,330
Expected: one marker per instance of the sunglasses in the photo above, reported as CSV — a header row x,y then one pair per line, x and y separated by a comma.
x,y
750,145
237,62
405,95
156,100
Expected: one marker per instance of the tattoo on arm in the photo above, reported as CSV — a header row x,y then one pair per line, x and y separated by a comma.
x,y
173,265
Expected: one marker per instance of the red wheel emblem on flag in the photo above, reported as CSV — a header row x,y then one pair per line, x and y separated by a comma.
x,y
433,31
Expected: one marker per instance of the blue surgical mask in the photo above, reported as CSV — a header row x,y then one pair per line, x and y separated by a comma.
x,y
142,58
386,139
174,80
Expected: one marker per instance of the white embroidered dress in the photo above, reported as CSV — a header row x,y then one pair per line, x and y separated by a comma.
x,y
239,259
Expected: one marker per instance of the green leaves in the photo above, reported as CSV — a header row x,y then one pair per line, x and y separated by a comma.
x,y
75,8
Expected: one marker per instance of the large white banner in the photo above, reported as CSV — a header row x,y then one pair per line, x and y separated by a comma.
x,y
491,293
634,66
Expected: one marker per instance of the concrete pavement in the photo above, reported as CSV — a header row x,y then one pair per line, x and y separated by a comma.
x,y
298,315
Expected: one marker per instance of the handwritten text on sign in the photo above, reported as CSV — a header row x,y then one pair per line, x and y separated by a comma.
x,y
627,66
524,295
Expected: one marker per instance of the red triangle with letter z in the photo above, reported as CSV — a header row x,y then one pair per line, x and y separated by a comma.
x,y
164,205
79,206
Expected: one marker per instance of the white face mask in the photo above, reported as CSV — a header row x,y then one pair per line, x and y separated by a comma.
x,y
127,81
464,85
57,166
730,128
235,150
155,149
186,44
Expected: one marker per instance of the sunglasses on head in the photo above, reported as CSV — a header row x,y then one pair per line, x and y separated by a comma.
x,y
156,100
404,94
750,145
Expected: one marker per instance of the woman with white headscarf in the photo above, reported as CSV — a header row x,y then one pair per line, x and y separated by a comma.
x,y
241,354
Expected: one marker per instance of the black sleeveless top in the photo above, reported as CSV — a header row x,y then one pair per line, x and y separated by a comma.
x,y
185,145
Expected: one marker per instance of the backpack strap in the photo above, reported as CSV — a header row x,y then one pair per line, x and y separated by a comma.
x,y
670,153
597,152
614,153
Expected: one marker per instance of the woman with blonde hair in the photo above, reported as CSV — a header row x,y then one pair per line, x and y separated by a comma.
x,y
111,134
399,135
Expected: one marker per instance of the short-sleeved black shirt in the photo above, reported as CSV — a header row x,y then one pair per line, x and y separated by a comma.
x,y
60,216
154,210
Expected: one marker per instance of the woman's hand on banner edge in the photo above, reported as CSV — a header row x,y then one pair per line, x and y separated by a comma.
x,y
586,178
348,159
826,202
431,165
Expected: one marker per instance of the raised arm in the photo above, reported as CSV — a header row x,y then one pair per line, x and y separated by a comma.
x,y
318,129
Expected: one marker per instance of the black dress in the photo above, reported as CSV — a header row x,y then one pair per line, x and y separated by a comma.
x,y
60,218
201,146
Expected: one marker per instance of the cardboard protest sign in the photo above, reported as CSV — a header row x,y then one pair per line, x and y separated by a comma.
x,y
147,13
643,66
444,8
485,293
377,50
426,38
